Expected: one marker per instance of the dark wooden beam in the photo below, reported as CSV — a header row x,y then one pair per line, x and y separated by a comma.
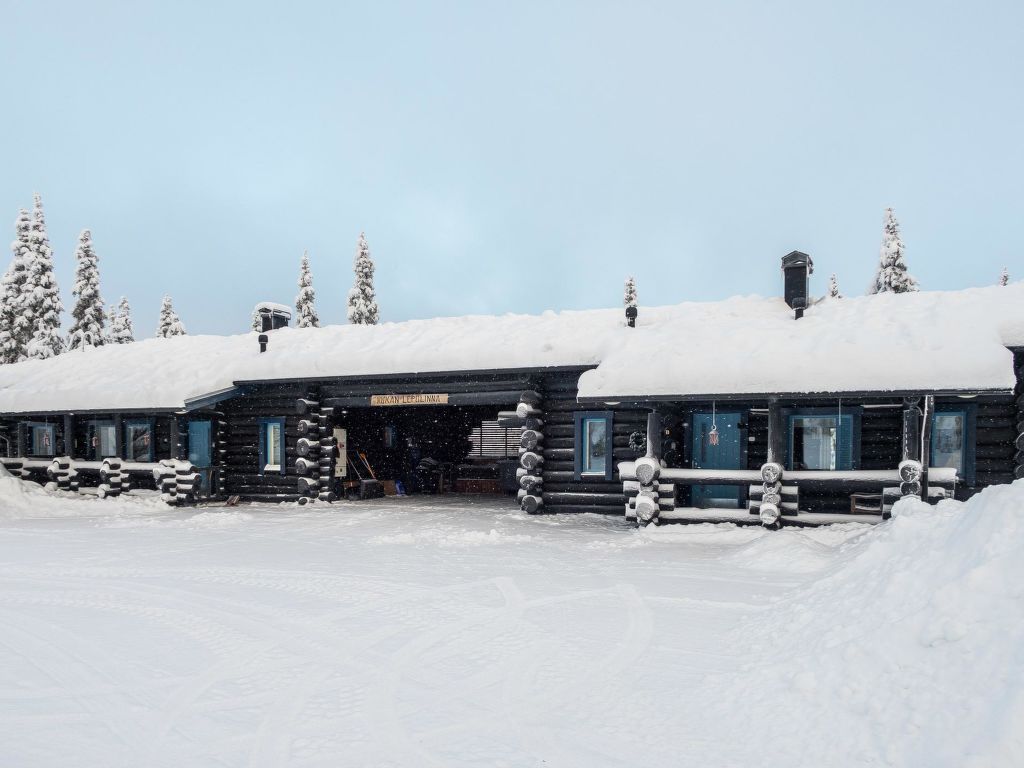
x,y
69,435
654,434
926,443
776,433
911,429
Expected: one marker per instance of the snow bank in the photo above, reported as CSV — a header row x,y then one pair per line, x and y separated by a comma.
x,y
915,341
17,497
928,340
912,647
20,500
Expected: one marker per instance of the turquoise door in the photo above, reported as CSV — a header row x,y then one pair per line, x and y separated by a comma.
x,y
725,455
200,450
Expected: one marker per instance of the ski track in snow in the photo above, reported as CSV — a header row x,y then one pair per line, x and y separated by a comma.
x,y
414,632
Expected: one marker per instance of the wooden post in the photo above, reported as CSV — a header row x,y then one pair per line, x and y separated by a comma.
x,y
926,444
911,429
776,434
119,435
180,437
654,434
69,435
20,442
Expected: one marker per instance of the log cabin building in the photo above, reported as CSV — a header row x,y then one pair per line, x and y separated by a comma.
x,y
783,410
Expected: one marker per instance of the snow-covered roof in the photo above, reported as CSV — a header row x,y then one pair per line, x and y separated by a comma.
x,y
926,341
272,306
929,341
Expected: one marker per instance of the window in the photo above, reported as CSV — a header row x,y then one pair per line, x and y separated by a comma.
x,y
138,441
952,443
490,440
102,440
42,439
594,444
272,446
824,440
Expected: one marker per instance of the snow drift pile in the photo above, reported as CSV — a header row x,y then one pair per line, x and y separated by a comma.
x,y
912,648
19,499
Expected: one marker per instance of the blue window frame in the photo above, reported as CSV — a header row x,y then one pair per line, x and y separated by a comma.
x,y
823,439
272,455
42,439
593,455
101,439
139,436
953,439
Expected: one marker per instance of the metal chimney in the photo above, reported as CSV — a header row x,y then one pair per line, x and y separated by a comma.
x,y
797,268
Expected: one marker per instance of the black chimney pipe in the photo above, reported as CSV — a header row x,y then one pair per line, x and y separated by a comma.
x,y
797,268
263,339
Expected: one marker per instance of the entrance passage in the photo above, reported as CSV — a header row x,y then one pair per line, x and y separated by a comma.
x,y
721,451
427,449
200,452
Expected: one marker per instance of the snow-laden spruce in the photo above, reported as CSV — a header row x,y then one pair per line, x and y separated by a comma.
x,y
87,328
42,297
629,296
362,302
305,302
121,329
15,324
892,275
1004,279
170,323
833,287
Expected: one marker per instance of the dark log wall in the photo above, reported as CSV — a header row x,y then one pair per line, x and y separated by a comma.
x,y
241,476
468,393
1018,364
996,428
562,492
996,456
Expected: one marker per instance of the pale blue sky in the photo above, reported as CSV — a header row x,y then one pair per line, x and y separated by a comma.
x,y
510,156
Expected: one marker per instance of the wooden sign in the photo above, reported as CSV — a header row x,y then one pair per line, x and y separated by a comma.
x,y
420,399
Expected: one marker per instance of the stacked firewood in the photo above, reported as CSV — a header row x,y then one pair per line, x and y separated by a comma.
x,y
647,503
528,415
61,474
770,508
1018,470
910,477
178,481
315,449
111,477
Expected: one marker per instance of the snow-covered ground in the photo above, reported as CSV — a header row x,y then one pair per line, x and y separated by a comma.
x,y
421,632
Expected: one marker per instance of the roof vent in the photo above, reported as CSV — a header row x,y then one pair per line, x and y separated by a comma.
x,y
797,268
268,316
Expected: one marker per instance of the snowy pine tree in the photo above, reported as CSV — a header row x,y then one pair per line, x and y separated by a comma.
x,y
305,307
121,329
892,275
170,324
43,304
362,303
15,327
833,288
1004,279
87,328
108,337
629,298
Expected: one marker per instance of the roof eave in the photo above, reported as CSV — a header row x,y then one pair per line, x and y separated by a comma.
x,y
735,397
